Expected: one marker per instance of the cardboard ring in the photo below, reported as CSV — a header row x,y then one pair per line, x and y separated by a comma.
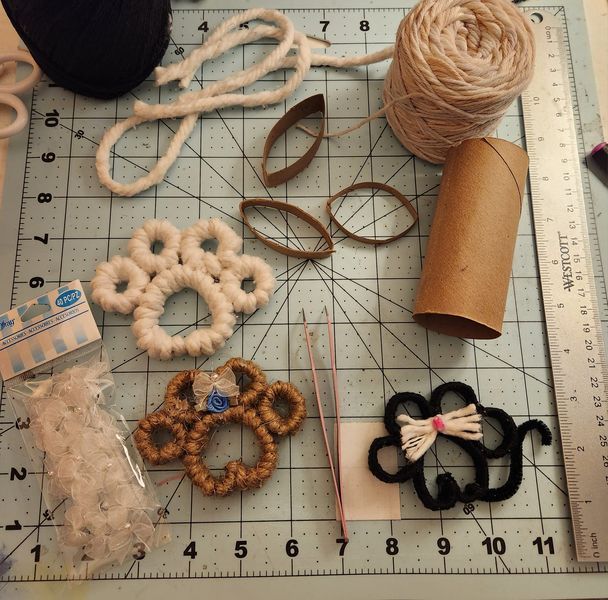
x,y
371,185
298,212
307,107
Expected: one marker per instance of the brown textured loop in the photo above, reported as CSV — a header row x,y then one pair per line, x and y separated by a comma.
x,y
277,393
158,421
236,475
192,430
257,380
179,395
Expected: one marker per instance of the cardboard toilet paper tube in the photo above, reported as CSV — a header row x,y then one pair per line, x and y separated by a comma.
x,y
465,274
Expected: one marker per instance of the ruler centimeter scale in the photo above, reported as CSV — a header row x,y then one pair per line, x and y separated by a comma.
x,y
580,370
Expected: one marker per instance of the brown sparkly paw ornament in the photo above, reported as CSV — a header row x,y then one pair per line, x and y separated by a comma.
x,y
197,403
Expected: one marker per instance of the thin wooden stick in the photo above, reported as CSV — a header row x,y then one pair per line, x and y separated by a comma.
x,y
325,438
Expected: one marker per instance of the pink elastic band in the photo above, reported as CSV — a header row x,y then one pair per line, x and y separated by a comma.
x,y
438,423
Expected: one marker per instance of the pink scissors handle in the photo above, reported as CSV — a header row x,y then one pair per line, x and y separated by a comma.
x,y
20,121
23,85
9,91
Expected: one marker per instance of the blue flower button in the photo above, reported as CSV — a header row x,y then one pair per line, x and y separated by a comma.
x,y
216,403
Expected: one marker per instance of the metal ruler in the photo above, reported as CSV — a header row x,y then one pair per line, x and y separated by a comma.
x,y
580,370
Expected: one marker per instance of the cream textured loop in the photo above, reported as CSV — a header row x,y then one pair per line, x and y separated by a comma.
x,y
109,275
458,66
229,244
158,343
220,94
236,271
140,246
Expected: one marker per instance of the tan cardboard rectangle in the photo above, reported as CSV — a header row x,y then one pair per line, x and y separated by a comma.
x,y
465,274
365,498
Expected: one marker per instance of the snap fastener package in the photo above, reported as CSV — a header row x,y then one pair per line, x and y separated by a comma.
x,y
58,378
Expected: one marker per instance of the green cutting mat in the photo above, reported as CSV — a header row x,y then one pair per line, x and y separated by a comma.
x,y
288,527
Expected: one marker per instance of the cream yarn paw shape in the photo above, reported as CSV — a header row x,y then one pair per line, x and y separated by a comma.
x,y
217,276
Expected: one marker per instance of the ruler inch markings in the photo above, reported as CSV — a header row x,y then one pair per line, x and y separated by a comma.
x,y
574,332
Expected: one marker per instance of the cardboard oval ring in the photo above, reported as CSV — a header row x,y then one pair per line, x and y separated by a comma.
x,y
371,185
296,211
307,107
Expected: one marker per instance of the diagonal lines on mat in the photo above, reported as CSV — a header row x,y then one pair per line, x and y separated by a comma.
x,y
428,366
432,450
333,272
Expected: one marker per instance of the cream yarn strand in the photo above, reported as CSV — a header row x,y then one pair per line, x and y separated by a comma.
x,y
220,94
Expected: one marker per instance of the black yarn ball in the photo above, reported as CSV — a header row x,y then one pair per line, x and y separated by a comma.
x,y
100,48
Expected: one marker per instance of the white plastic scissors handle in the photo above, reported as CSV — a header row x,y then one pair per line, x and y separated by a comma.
x,y
9,91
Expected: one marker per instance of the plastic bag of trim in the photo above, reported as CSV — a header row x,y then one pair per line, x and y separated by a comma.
x,y
96,489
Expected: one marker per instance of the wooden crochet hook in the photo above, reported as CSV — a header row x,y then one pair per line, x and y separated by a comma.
x,y
337,486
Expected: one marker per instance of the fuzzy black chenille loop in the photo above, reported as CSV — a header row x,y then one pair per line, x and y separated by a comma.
x,y
402,474
390,413
509,432
461,389
514,479
448,490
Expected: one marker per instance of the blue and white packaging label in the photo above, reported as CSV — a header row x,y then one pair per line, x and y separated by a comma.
x,y
44,329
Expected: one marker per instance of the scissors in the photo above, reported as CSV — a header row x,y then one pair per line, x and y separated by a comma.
x,y
9,91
